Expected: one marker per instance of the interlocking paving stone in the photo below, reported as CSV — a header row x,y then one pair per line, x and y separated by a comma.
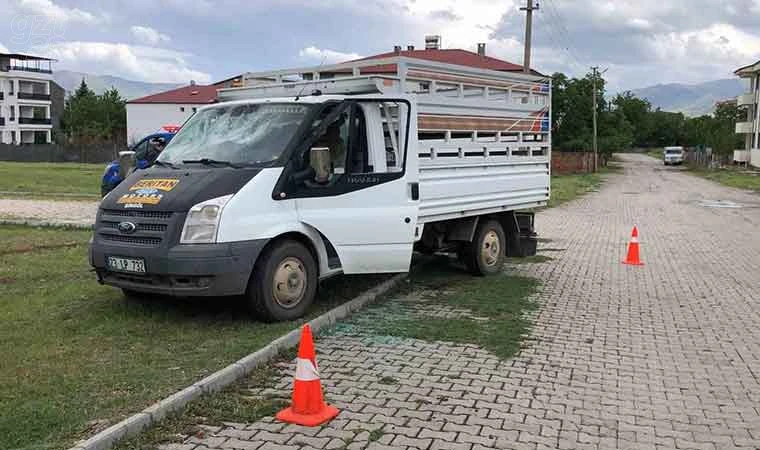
x,y
666,355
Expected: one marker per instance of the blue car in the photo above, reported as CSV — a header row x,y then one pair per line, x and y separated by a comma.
x,y
146,152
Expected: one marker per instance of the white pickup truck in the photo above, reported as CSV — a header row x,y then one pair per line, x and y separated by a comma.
x,y
672,155
307,173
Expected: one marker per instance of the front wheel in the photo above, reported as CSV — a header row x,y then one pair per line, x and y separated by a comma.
x,y
486,253
284,282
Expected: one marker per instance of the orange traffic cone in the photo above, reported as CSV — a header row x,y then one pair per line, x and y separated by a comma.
x,y
308,408
633,250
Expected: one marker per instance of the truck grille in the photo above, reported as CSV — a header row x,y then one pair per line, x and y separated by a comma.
x,y
152,228
159,227
148,241
162,215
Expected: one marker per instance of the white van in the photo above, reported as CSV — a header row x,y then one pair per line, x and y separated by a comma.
x,y
282,183
673,155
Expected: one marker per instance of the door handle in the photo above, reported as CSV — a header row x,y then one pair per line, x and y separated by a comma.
x,y
414,191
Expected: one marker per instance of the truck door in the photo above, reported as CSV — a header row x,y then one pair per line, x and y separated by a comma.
x,y
367,207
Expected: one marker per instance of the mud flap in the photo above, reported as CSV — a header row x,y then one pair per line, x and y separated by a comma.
x,y
522,240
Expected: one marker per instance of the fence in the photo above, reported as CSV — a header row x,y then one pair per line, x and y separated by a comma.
x,y
86,153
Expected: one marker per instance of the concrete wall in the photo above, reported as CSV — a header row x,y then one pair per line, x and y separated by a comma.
x,y
146,118
572,162
57,103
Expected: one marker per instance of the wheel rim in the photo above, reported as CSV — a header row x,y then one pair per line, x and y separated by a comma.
x,y
489,252
289,283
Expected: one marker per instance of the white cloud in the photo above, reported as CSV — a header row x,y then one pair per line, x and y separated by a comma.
x,y
3,49
148,35
475,19
58,14
325,55
129,61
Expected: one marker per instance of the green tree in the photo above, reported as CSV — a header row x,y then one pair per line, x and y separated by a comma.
x,y
572,116
638,113
94,117
724,139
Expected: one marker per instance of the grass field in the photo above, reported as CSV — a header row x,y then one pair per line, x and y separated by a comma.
x,y
77,356
733,177
48,180
569,187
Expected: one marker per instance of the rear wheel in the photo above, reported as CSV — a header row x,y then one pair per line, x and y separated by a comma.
x,y
486,253
284,282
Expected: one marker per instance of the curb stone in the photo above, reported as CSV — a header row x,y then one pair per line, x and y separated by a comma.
x,y
137,423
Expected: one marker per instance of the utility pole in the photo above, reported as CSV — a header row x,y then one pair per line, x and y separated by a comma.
x,y
594,78
595,71
529,8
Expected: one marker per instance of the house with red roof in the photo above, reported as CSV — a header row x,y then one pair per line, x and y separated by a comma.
x,y
149,114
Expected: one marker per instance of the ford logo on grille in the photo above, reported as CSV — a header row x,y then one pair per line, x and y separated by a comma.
x,y
127,227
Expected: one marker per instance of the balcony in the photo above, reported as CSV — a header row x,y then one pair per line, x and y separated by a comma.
x,y
31,96
744,127
745,99
30,69
33,121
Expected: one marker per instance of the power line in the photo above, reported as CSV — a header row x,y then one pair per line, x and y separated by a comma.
x,y
556,40
555,12
558,24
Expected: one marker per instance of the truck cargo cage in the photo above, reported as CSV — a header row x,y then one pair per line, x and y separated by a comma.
x,y
473,123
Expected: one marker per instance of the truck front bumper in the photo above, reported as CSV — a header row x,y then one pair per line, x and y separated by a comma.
x,y
183,270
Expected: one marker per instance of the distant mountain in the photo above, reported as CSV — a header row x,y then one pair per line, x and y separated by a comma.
x,y
691,99
128,89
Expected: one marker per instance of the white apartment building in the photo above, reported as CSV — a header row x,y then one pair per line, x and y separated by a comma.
x,y
25,99
750,127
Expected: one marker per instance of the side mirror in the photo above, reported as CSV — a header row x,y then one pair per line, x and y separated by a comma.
x,y
319,158
126,162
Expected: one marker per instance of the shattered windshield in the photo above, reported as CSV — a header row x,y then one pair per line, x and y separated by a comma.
x,y
237,133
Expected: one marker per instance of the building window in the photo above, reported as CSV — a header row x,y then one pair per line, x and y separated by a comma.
x,y
181,109
195,109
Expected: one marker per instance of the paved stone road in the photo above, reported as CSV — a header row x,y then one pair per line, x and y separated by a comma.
x,y
661,356
48,212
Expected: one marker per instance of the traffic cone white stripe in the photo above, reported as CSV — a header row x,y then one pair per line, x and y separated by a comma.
x,y
305,370
634,240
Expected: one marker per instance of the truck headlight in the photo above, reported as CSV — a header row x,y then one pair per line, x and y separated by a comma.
x,y
202,221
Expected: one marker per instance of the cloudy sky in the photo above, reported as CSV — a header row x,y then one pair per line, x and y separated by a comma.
x,y
642,42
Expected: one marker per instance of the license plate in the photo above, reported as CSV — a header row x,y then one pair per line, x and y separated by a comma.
x,y
133,265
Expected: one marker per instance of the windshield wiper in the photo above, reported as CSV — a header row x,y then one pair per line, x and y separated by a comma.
x,y
211,162
164,164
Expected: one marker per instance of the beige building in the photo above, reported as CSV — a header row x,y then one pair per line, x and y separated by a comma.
x,y
750,127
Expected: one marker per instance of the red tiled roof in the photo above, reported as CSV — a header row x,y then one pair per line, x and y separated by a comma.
x,y
192,93
448,55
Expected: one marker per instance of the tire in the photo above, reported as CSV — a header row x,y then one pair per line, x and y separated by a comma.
x,y
284,282
486,253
